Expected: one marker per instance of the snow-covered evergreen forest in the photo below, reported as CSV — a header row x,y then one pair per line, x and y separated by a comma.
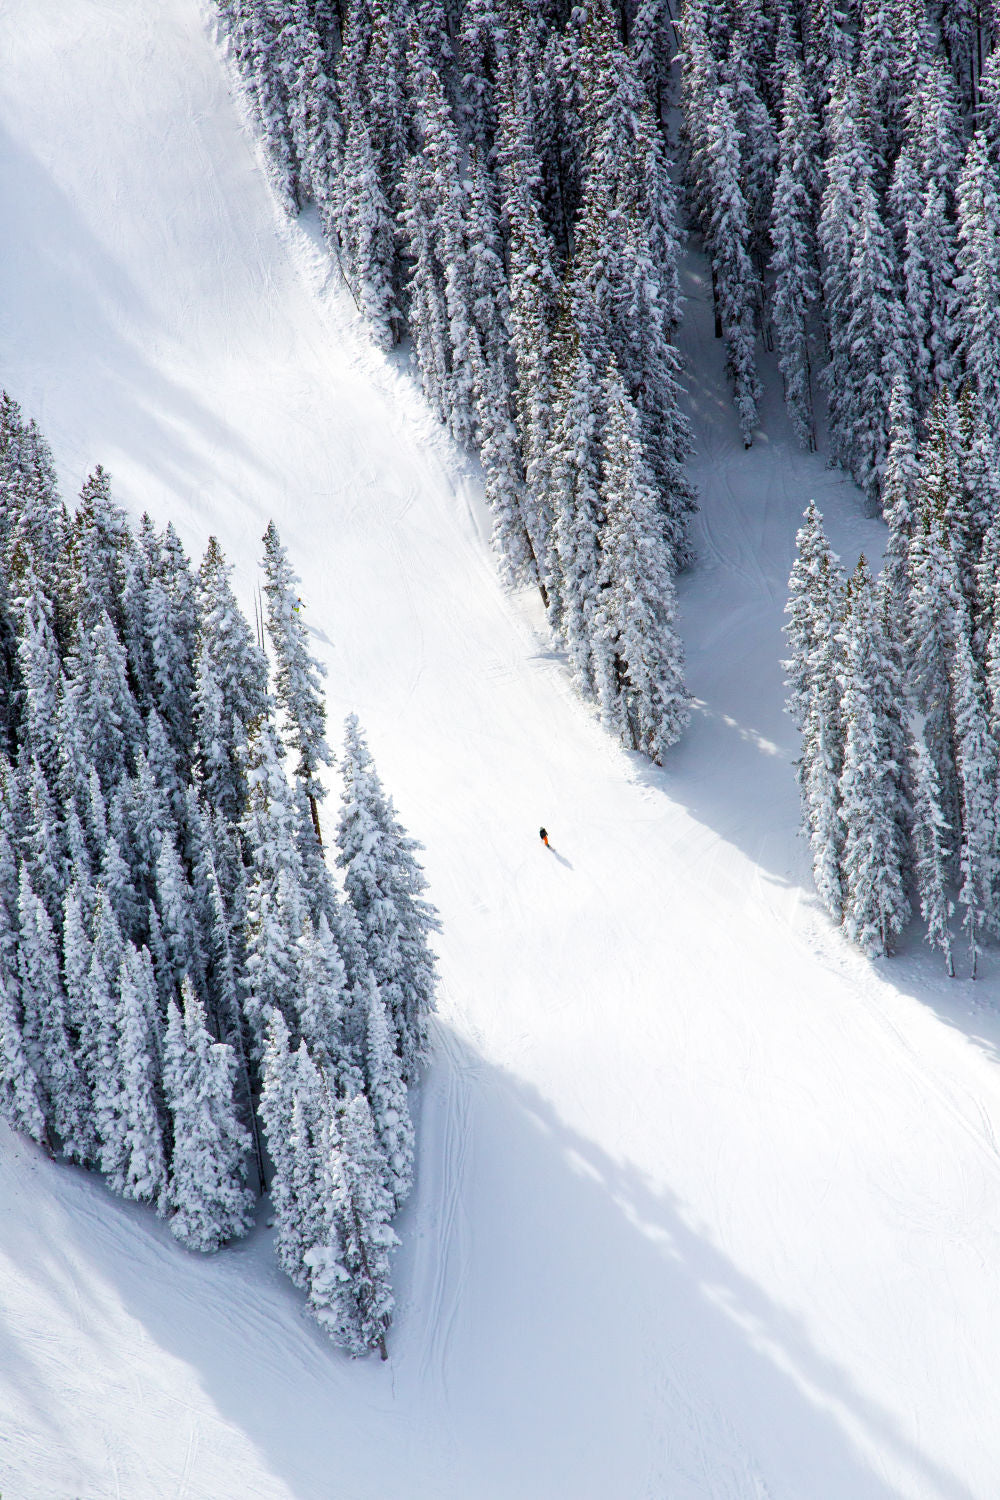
x,y
885,290
706,1203
493,182
188,1001
503,185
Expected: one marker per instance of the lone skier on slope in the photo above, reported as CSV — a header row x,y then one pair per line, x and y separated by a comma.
x,y
544,837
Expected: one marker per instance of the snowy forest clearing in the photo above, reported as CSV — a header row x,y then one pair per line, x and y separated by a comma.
x,y
707,1206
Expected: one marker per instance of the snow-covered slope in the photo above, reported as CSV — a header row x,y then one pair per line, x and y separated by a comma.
x,y
707,1207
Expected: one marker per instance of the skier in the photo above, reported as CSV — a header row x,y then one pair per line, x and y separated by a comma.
x,y
544,837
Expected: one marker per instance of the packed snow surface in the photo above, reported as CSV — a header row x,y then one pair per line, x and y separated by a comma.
x,y
707,1206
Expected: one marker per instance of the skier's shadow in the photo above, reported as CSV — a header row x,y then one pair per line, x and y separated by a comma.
x,y
560,857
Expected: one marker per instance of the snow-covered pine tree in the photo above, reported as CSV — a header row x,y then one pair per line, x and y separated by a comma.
x,y
349,937
886,65
155,789
373,81
171,622
115,877
45,1029
864,314
255,33
980,474
427,310
625,262
483,43
77,954
759,150
550,60
637,654
652,48
294,1107
385,885
876,908
107,715
898,502
322,987
386,1094
370,72
920,203
298,675
534,293
367,237
943,459
313,120
10,886
702,36
989,597
38,670
987,608
350,1293
311,1106
34,528
441,315
988,114
102,979
41,842
275,903
277,1074
21,1099
934,601
807,609
74,777
97,544
814,664
135,635
78,865
727,235
978,280
494,376
208,1195
141,811
976,768
931,851
828,43
795,262
177,921
576,481
139,1169
230,686
224,954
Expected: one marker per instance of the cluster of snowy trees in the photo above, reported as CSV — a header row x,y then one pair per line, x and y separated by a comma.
x,y
895,685
842,159
188,1001
491,176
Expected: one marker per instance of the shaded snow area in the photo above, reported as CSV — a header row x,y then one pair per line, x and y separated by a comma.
x,y
707,1208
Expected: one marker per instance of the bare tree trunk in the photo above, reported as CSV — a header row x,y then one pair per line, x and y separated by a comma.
x,y
315,817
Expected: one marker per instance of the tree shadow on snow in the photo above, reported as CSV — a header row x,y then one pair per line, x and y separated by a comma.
x,y
734,769
562,1328
102,341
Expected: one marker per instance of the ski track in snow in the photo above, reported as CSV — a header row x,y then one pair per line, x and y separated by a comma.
x,y
707,1206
